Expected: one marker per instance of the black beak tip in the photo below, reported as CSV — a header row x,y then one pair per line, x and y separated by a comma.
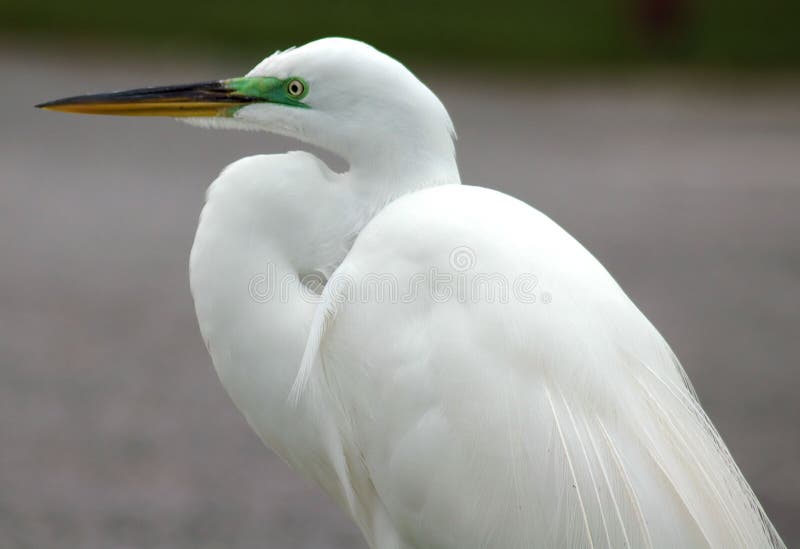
x,y
48,104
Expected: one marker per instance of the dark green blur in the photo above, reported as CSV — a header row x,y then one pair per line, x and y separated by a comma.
x,y
538,33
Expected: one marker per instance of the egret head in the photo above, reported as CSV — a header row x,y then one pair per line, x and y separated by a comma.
x,y
339,94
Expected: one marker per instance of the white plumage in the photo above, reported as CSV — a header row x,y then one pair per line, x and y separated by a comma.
x,y
444,360
560,424
459,422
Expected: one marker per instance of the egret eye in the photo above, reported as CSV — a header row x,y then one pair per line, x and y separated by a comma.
x,y
296,88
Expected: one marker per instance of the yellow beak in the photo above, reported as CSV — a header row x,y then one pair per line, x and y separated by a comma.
x,y
201,99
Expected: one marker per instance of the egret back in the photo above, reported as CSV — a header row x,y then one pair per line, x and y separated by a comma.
x,y
557,417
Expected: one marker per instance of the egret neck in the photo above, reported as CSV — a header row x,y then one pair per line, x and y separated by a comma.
x,y
272,222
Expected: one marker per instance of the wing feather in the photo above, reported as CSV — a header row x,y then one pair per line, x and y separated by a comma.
x,y
575,483
520,426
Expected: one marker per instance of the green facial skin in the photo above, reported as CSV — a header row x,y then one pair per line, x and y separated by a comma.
x,y
268,89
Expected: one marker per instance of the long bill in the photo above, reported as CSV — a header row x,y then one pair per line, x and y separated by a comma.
x,y
216,98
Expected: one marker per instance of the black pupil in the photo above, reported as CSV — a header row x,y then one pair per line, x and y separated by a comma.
x,y
294,87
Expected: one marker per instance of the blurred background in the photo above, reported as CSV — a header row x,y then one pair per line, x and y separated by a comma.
x,y
663,134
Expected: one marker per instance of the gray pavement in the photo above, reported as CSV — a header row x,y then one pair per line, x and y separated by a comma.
x,y
114,431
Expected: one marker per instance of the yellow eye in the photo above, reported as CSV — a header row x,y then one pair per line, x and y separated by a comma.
x,y
296,88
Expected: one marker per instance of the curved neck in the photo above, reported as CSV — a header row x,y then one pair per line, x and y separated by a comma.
x,y
407,146
267,222
381,180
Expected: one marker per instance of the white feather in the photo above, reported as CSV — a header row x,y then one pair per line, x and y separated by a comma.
x,y
561,421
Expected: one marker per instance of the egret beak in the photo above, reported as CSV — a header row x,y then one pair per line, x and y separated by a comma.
x,y
216,98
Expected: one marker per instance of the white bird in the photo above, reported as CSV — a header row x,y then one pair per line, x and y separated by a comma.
x,y
444,360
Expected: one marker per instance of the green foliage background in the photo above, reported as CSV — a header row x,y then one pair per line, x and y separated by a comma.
x,y
537,33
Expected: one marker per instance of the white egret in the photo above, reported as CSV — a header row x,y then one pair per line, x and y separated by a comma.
x,y
548,414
